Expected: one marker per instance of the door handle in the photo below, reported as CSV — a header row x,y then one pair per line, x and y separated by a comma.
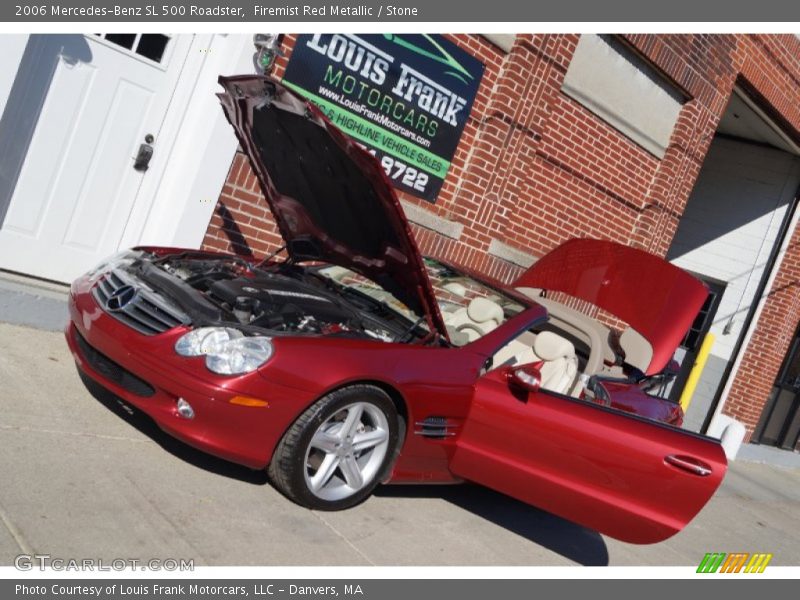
x,y
142,160
689,464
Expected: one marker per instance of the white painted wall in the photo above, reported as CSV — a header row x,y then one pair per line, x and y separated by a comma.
x,y
727,232
12,47
199,161
177,205
174,204
731,223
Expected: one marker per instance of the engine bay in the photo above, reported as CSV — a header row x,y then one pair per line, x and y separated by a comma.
x,y
282,299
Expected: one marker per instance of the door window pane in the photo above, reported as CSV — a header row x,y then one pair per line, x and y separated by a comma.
x,y
152,45
125,40
148,45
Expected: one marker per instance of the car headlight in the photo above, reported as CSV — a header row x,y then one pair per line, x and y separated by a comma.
x,y
205,340
227,351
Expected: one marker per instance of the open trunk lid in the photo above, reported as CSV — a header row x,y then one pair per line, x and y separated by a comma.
x,y
657,299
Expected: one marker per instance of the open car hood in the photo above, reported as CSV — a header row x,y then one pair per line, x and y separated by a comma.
x,y
330,198
655,298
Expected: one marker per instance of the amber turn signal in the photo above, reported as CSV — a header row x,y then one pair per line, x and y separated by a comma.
x,y
247,401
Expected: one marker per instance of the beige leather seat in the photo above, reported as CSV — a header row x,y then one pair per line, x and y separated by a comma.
x,y
638,351
516,352
455,288
487,313
480,316
560,368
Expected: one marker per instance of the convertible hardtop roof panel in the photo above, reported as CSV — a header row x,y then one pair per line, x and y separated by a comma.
x,y
655,298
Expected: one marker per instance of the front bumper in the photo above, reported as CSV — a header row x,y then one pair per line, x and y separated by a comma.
x,y
145,372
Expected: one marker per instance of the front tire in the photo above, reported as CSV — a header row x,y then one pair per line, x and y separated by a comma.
x,y
338,450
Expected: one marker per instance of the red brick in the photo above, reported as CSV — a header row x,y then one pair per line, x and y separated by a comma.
x,y
534,168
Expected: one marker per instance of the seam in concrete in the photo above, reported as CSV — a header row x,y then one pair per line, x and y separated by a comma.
x,y
343,537
31,285
99,436
155,507
756,453
15,533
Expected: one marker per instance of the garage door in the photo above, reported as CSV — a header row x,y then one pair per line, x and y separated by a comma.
x,y
726,234
103,97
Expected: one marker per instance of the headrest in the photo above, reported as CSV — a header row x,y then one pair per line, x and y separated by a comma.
x,y
550,346
455,288
482,310
638,351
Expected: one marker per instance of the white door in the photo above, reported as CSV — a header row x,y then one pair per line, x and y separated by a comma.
x,y
77,184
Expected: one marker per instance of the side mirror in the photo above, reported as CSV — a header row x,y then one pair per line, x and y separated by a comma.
x,y
525,377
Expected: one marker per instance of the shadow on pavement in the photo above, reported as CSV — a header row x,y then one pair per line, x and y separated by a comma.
x,y
147,426
576,543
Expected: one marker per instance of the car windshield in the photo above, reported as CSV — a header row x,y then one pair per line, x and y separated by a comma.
x,y
470,308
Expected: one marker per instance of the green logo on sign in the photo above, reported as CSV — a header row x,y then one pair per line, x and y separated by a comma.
x,y
442,57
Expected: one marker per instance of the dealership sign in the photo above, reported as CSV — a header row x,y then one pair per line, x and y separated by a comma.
x,y
406,98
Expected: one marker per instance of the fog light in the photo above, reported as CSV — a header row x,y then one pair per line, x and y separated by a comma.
x,y
185,409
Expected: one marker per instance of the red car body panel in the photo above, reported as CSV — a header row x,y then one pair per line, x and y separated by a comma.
x,y
630,398
237,433
591,465
627,476
492,438
424,377
359,224
657,299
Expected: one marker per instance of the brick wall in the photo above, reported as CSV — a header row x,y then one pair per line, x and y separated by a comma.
x,y
771,339
535,168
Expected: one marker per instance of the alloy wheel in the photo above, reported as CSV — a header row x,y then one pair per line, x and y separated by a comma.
x,y
346,451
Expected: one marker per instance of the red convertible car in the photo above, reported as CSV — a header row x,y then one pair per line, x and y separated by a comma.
x,y
353,360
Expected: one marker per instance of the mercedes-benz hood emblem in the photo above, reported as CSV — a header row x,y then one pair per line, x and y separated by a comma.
x,y
121,298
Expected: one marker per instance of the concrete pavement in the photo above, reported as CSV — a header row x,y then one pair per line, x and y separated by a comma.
x,y
33,302
80,477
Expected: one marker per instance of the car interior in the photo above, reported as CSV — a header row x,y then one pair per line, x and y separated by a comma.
x,y
568,349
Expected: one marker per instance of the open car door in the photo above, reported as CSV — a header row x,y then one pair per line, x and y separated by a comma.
x,y
633,479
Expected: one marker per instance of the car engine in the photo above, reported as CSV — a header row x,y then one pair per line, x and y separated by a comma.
x,y
282,299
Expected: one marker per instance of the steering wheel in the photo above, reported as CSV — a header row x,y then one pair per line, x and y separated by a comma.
x,y
470,327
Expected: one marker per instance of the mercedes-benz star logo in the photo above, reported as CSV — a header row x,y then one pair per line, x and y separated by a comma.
x,y
121,298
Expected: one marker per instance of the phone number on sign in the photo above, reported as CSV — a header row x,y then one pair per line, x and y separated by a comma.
x,y
400,172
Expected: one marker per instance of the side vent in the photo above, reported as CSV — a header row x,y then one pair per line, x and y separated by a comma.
x,y
437,428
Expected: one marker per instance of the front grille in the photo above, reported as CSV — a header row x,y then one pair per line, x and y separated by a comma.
x,y
112,371
145,312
